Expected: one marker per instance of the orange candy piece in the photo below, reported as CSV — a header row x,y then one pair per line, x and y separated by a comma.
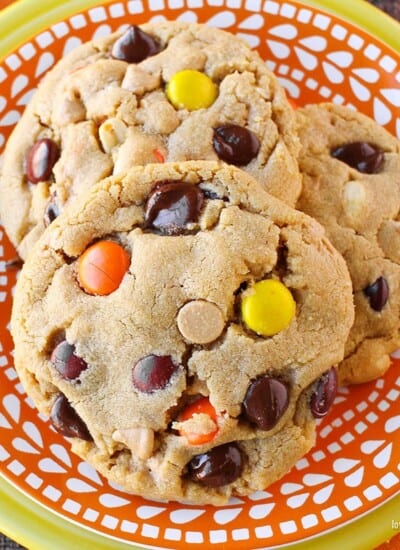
x,y
102,267
200,406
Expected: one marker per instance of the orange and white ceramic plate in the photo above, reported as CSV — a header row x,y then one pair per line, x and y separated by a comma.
x,y
51,499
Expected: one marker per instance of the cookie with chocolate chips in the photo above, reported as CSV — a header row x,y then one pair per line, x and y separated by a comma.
x,y
182,327
351,171
169,91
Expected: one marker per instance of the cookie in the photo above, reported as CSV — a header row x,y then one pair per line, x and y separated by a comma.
x,y
163,92
351,171
181,325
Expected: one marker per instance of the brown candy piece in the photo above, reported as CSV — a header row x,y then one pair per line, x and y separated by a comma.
x,y
171,206
41,159
235,144
51,213
324,393
219,466
364,157
66,362
66,420
378,294
153,372
265,402
134,46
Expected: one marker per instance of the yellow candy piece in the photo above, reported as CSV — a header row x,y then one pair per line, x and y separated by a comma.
x,y
269,308
191,90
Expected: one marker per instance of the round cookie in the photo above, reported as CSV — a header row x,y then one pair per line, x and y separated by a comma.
x,y
159,369
351,174
168,91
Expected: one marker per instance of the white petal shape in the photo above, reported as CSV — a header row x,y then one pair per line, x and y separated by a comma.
x,y
342,59
315,479
222,517
286,31
46,60
260,511
360,91
61,453
323,494
26,98
49,465
33,432
4,423
252,40
185,515
392,95
80,486
392,424
222,20
259,495
289,488
368,75
89,472
382,459
355,479
102,30
147,512
333,74
188,17
11,402
291,87
297,500
3,103
308,60
20,82
370,446
233,501
314,43
72,43
279,49
112,501
11,118
382,114
24,446
342,465
254,22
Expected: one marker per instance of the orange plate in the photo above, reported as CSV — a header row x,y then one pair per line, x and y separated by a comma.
x,y
355,466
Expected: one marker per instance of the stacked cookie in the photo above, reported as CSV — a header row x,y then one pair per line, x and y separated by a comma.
x,y
176,317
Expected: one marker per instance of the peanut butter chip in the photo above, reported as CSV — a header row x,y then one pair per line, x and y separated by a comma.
x,y
139,440
200,322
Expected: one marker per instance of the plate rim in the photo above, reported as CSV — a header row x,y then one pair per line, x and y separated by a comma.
x,y
30,519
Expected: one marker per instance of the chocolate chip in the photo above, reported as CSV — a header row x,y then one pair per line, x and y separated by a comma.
x,y
67,421
364,157
15,263
378,294
51,213
66,362
265,402
41,159
134,45
235,144
219,466
324,393
153,372
171,206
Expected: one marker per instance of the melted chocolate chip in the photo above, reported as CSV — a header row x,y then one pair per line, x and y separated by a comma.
x,y
66,362
171,206
265,402
153,372
41,159
364,157
219,466
134,46
51,213
378,294
15,263
324,393
67,421
235,144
